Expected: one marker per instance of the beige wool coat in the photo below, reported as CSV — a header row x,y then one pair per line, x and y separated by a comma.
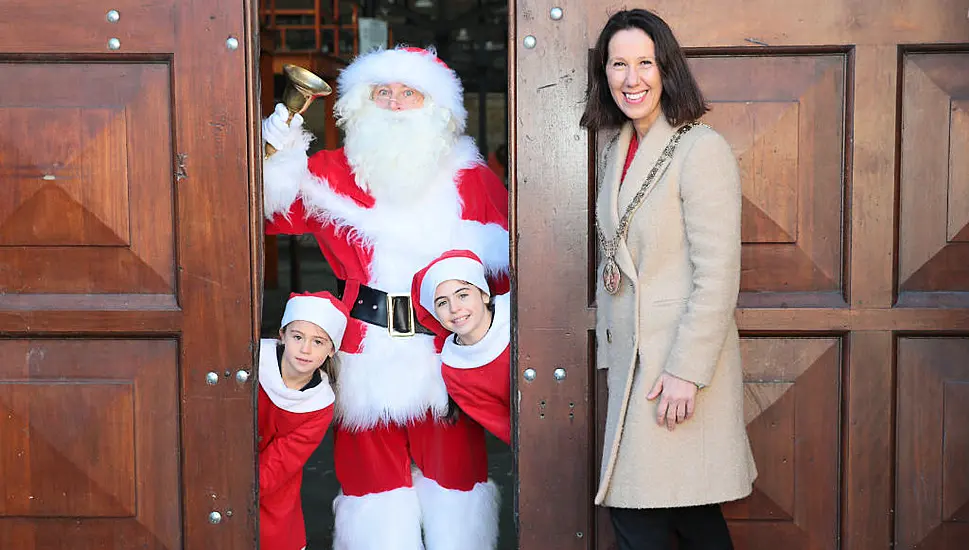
x,y
674,311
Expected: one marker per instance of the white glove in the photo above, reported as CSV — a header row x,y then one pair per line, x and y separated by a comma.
x,y
280,135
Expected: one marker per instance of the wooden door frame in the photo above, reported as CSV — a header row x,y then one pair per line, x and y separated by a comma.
x,y
554,506
212,480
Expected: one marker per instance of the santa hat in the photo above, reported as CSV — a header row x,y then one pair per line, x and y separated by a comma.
x,y
320,308
462,265
416,67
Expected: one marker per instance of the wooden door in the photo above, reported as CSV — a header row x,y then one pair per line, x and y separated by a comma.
x,y
126,275
850,120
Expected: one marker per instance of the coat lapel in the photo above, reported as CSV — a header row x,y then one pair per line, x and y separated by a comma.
x,y
620,197
646,156
609,211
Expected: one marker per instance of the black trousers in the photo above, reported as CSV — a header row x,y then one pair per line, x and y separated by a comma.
x,y
691,528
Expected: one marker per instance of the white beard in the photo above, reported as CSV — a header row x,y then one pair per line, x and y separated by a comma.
x,y
397,155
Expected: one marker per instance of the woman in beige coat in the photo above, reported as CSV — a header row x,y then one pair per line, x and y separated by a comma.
x,y
668,225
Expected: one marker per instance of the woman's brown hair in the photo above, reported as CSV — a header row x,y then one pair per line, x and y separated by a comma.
x,y
681,101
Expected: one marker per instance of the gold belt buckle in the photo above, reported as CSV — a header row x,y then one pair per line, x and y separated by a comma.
x,y
394,333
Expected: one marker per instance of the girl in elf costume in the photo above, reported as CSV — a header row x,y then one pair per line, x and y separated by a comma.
x,y
295,409
456,303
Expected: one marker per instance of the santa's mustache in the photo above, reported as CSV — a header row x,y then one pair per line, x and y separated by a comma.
x,y
396,154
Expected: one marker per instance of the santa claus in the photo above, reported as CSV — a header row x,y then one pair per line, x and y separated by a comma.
x,y
406,187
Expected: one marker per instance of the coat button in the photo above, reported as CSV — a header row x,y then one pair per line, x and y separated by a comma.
x,y
608,336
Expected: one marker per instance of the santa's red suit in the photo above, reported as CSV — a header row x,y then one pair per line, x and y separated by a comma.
x,y
291,426
390,393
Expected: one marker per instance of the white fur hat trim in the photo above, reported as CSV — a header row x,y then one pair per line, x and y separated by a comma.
x,y
317,310
457,267
418,68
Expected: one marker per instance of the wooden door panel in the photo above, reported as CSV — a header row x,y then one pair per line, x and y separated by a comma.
x,y
784,118
78,485
753,25
88,171
82,26
91,429
932,491
45,211
850,121
791,406
934,202
128,257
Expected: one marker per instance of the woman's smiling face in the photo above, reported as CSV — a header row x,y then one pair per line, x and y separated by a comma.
x,y
633,76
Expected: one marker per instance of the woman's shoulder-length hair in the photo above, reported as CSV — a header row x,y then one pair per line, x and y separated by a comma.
x,y
681,100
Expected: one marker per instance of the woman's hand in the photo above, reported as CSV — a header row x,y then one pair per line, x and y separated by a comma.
x,y
677,400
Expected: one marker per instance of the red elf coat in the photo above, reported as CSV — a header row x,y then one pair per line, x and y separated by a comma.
x,y
291,426
477,376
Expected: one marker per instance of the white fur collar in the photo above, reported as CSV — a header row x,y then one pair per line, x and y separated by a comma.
x,y
331,206
287,399
405,238
488,348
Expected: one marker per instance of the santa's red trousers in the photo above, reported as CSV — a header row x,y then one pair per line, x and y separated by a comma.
x,y
379,459
445,503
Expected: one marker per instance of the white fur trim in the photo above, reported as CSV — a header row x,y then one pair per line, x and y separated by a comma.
x,y
417,70
488,348
458,520
319,311
287,399
489,242
403,236
407,224
283,175
379,521
394,380
460,268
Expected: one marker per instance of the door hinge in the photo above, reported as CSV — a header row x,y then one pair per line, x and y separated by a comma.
x,y
180,172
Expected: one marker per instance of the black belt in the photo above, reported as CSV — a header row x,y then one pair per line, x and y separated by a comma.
x,y
376,307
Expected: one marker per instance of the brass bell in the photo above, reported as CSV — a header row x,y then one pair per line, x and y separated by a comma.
x,y
302,88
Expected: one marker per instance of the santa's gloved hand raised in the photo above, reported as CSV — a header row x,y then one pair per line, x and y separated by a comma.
x,y
279,134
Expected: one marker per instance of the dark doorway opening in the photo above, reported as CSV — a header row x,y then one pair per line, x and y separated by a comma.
x,y
471,36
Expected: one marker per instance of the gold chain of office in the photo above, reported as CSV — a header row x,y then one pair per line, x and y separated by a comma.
x,y
611,275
